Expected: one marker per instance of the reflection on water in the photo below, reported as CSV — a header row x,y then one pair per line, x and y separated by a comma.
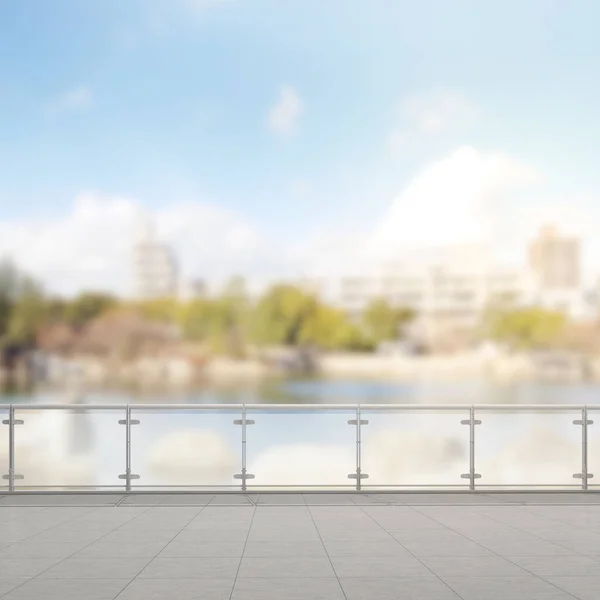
x,y
307,448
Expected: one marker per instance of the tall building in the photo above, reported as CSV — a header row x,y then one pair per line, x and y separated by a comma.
x,y
555,261
154,268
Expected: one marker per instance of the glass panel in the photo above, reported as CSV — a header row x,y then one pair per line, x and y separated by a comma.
x,y
186,448
415,448
528,449
69,448
3,448
301,448
594,448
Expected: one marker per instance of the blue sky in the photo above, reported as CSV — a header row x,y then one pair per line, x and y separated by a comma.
x,y
171,102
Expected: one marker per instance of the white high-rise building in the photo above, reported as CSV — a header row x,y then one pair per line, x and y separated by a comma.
x,y
154,267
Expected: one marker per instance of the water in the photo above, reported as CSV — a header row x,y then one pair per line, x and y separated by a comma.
x,y
330,391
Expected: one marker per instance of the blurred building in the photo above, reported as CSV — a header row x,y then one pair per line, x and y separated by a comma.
x,y
555,261
446,297
154,267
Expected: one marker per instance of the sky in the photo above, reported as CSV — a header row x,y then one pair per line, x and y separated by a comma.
x,y
285,139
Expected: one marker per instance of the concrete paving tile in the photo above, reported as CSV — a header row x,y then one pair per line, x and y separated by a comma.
x,y
296,566
366,549
32,549
10,583
505,588
203,550
585,587
178,589
379,566
19,568
96,568
402,588
289,588
281,535
557,566
283,549
191,568
472,566
68,589
115,550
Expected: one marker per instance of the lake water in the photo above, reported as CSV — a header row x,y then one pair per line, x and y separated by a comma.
x,y
323,391
203,448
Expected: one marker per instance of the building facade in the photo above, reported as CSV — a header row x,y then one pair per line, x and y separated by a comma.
x,y
555,261
154,268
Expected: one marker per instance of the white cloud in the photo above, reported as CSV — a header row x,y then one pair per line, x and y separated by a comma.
x,y
77,98
437,111
459,199
468,198
90,245
426,118
284,114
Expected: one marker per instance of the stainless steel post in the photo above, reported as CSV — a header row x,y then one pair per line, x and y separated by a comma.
x,y
11,449
358,423
584,422
128,449
244,469
584,449
128,476
358,449
471,475
244,475
472,449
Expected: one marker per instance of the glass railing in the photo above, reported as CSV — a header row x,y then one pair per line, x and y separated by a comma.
x,y
258,447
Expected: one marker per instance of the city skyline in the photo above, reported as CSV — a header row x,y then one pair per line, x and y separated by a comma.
x,y
275,154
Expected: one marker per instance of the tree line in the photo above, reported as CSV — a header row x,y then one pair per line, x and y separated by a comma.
x,y
284,315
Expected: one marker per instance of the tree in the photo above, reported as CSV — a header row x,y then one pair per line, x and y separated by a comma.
x,y
526,328
86,307
281,314
22,308
330,329
384,322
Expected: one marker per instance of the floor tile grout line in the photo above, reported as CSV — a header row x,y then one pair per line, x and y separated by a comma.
x,y
54,526
411,553
81,549
327,553
156,556
555,543
243,552
495,553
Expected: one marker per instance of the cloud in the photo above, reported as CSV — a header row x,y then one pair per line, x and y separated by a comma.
x,y
463,198
437,111
90,245
468,199
76,99
426,118
284,114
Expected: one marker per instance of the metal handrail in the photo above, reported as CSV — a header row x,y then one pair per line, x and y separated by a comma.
x,y
307,407
357,412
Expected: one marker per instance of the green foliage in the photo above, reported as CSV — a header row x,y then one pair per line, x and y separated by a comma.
x,y
281,314
27,314
526,328
383,322
86,307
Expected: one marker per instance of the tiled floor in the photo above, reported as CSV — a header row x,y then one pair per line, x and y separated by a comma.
x,y
300,547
